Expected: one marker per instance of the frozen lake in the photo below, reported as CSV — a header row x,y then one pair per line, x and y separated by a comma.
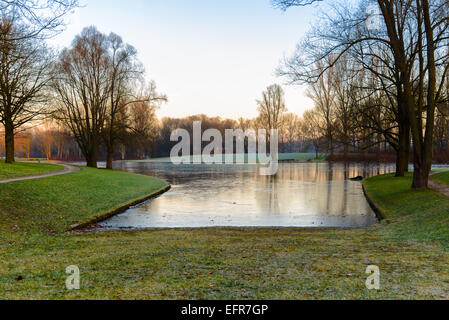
x,y
300,195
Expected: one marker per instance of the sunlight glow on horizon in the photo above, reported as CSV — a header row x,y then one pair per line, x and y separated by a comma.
x,y
209,57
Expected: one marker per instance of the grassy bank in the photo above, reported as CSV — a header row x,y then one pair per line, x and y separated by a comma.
x,y
410,249
414,215
54,204
23,169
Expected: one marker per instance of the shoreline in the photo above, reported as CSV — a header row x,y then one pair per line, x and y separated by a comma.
x,y
85,225
378,211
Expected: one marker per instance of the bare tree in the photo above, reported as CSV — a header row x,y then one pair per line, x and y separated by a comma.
x,y
99,75
82,87
45,136
272,107
310,128
24,59
323,94
427,25
290,130
124,74
61,139
44,18
24,76
145,126
124,71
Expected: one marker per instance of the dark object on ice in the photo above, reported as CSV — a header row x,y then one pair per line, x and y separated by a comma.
x,y
359,178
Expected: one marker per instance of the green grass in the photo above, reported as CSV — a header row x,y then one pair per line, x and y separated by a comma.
x,y
419,215
22,169
54,204
442,178
222,263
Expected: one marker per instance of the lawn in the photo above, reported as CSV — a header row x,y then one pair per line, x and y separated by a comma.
x,y
411,249
22,169
414,215
54,204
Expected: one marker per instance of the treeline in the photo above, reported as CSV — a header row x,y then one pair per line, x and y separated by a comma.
x,y
151,138
380,69
290,135
54,142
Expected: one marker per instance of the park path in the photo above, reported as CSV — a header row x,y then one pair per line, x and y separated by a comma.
x,y
67,169
442,188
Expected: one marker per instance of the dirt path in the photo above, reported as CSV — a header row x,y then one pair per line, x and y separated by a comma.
x,y
442,188
67,169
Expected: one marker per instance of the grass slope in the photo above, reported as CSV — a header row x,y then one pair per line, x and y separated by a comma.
x,y
23,169
54,204
420,215
411,251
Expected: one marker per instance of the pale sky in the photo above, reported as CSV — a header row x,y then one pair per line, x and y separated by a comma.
x,y
209,56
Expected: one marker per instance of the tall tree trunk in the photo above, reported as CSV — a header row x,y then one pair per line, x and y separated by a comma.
x,y
9,142
424,149
91,161
403,151
110,145
110,154
92,156
421,177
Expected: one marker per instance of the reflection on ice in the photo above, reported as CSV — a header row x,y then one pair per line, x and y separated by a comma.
x,y
300,195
